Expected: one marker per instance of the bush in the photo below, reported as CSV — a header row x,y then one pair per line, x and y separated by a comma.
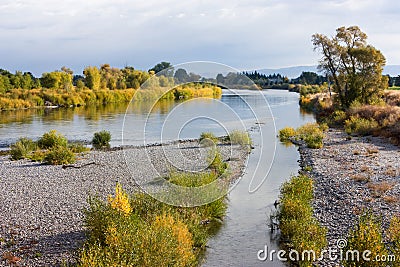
x,y
312,134
366,235
149,233
216,162
101,140
59,155
52,139
286,133
208,139
299,229
394,236
361,126
78,148
22,148
238,137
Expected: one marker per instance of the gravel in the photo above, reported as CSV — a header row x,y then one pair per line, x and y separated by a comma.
x,y
345,171
41,218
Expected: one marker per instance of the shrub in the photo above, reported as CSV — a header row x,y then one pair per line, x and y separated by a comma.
x,y
121,201
299,229
78,148
59,155
286,133
312,134
238,137
366,235
22,148
208,139
101,140
216,162
150,234
394,236
52,139
361,126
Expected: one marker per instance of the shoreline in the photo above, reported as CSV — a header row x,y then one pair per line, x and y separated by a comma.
x,y
42,219
348,175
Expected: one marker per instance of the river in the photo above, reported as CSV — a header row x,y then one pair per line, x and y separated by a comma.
x,y
245,230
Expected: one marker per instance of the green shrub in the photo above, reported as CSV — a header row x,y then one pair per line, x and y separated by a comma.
x,y
78,148
361,126
59,155
366,235
312,134
216,162
22,148
237,137
208,139
299,229
38,155
52,139
101,139
286,133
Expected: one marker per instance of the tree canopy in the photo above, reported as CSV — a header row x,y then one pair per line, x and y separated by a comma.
x,y
354,66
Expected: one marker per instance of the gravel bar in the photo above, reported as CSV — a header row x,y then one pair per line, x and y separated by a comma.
x,y
347,173
41,219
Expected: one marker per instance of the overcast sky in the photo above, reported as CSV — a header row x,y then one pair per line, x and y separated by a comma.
x,y
44,35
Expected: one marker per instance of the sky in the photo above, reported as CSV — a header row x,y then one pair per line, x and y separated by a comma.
x,y
42,36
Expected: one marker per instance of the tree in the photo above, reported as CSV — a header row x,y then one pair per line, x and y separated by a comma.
x,y
354,66
181,75
92,77
163,66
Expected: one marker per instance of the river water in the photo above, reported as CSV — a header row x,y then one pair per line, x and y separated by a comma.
x,y
245,230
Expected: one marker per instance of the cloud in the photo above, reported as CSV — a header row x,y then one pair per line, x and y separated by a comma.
x,y
48,34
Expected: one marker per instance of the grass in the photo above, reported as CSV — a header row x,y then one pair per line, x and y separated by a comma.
x,y
300,231
237,137
380,188
22,148
360,126
208,139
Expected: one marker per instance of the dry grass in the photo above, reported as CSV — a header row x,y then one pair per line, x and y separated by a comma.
x,y
391,172
380,188
391,199
360,178
372,151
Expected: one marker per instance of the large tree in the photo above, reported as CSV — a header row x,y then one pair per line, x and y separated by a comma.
x,y
354,66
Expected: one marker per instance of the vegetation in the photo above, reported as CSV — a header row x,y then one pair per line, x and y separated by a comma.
x,y
354,67
208,139
237,137
59,155
97,86
286,133
138,230
101,139
367,235
22,148
51,148
311,133
300,231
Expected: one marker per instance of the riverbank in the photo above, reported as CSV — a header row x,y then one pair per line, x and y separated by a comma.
x,y
41,221
351,175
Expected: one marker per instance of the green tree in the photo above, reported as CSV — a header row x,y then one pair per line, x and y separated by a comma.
x,y
354,66
92,77
163,66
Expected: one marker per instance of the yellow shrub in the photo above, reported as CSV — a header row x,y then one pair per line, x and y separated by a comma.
x,y
120,201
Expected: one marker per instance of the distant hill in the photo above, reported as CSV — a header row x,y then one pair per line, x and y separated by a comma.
x,y
295,71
